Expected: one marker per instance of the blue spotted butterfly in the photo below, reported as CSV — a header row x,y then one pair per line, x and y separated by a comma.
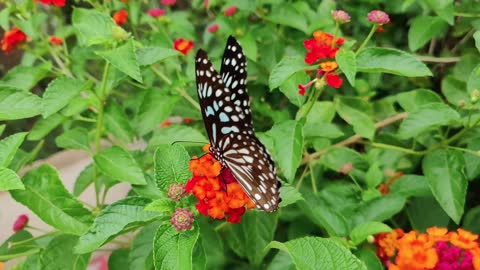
x,y
225,107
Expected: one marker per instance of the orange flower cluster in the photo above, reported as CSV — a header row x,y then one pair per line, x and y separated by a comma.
x,y
120,17
12,39
437,249
218,193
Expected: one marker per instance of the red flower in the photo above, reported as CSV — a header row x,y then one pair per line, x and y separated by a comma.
x,y
301,89
57,3
205,3
120,17
321,46
183,45
230,11
168,2
11,39
333,80
213,28
156,12
56,40
20,223
187,120
165,123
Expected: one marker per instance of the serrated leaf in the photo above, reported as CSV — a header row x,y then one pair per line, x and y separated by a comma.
x,y
391,61
444,170
289,195
161,205
173,250
141,250
44,126
426,117
355,112
290,88
58,255
444,8
124,59
347,63
84,179
412,100
411,185
9,180
119,217
374,176
176,133
284,69
378,209
24,77
150,55
18,104
94,27
117,163
361,232
310,253
335,158
156,106
116,122
59,93
423,29
9,146
171,165
286,15
46,196
76,138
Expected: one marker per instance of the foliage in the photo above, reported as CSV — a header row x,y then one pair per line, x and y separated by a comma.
x,y
371,118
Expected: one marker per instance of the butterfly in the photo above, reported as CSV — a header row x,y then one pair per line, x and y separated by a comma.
x,y
225,107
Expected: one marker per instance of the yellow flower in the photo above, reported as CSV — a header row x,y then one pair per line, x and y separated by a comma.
x,y
329,66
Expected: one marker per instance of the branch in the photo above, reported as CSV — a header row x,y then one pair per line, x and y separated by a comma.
x,y
355,138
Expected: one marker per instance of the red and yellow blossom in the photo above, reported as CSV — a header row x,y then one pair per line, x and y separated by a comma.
x,y
183,45
437,249
55,40
120,17
12,39
218,193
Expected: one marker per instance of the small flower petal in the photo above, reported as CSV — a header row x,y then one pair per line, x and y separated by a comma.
x,y
156,12
340,16
378,16
230,11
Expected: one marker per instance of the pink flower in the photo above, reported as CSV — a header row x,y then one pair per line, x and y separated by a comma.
x,y
230,11
346,168
168,2
182,219
156,12
205,3
340,16
20,223
176,192
378,16
213,28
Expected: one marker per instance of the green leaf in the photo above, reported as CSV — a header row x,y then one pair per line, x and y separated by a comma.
x,y
444,170
24,77
84,179
391,61
173,250
9,180
58,255
156,106
7,249
215,254
347,63
124,59
141,250
421,219
93,26
290,87
281,261
319,253
336,157
171,165
423,29
471,222
59,93
176,133
76,138
374,176
161,205
361,232
119,217
289,195
455,91
411,185
150,55
249,238
18,104
355,112
249,45
284,69
46,196
427,117
288,144
288,16
412,100
379,208
473,82
44,126
476,37
369,258
118,259
118,164
9,146
116,122
443,8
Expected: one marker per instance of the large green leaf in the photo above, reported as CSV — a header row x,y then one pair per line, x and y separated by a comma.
x,y
116,122
119,217
59,255
378,209
9,180
444,8
25,77
141,250
412,100
118,259
59,93
43,126
124,59
150,55
289,195
288,145
347,63
9,146
426,117
7,248
391,61
18,104
444,170
46,196
284,69
288,16
361,232
290,87
156,106
93,26
171,165
355,112
423,29
473,82
173,250
176,133
335,158
411,185
476,36
249,238
310,253
119,164
76,138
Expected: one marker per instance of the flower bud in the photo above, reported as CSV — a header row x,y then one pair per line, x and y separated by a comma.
x,y
182,219
378,16
20,223
370,239
346,168
475,96
340,16
176,192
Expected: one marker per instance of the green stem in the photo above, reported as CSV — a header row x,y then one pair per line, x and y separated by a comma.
x,y
59,62
313,98
355,182
475,153
300,181
221,226
18,255
161,75
372,31
312,178
335,34
12,244
401,149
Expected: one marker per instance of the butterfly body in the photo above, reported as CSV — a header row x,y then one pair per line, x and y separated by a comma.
x,y
225,107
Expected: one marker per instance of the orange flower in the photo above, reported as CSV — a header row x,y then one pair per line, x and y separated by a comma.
x,y
166,123
387,242
476,258
464,239
12,39
1,265
120,17
329,66
416,252
56,40
438,234
183,45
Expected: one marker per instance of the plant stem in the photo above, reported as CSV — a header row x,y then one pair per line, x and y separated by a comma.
x,y
12,244
312,178
221,226
398,148
299,184
475,153
433,59
18,255
372,31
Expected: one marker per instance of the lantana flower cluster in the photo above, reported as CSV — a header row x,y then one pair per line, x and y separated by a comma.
x,y
218,193
437,249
